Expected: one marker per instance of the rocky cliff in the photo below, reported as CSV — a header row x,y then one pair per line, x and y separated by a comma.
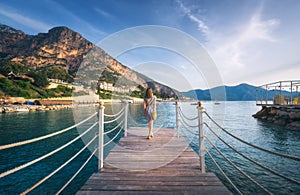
x,y
68,50
288,117
60,47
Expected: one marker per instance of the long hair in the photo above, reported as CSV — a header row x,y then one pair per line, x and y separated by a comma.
x,y
149,93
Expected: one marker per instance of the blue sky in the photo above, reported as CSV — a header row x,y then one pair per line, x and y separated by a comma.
x,y
250,41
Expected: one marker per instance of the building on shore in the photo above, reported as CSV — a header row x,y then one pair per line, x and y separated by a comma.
x,y
120,89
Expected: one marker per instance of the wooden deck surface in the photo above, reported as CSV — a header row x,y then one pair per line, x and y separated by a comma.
x,y
162,165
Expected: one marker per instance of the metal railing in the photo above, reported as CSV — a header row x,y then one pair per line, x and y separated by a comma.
x,y
182,125
101,144
279,93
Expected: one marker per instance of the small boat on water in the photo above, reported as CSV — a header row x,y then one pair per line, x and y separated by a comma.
x,y
217,103
22,109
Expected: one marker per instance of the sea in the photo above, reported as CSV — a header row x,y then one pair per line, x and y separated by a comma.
x,y
233,116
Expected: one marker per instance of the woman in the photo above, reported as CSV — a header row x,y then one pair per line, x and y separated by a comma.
x,y
150,110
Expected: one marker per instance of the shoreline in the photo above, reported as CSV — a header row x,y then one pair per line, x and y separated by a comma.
x,y
52,104
31,108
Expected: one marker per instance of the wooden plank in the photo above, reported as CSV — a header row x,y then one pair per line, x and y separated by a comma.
x,y
163,165
143,176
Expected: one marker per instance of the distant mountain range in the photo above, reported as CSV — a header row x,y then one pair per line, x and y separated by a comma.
x,y
242,92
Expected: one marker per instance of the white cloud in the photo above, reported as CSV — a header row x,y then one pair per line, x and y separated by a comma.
x,y
103,13
245,49
236,45
259,29
250,50
26,21
201,24
275,75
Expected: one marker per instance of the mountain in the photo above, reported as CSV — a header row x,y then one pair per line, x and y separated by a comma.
x,y
59,47
63,51
242,92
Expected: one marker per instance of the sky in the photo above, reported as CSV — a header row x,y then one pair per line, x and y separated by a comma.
x,y
238,41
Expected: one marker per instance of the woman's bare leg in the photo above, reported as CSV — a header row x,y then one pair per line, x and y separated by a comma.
x,y
150,126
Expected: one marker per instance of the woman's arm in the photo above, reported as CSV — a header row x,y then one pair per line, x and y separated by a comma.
x,y
145,105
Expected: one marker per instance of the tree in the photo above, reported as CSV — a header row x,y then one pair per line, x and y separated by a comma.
x,y
40,78
24,84
8,87
58,73
6,67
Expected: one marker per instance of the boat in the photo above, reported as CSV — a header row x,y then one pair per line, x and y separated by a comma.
x,y
22,109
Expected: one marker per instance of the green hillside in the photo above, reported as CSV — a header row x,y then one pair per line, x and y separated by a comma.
x,y
18,80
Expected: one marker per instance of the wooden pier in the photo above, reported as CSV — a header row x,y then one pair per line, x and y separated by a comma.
x,y
163,165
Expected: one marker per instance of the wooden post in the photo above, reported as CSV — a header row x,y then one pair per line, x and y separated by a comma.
x,y
256,95
101,137
126,118
267,95
291,100
177,117
280,88
201,138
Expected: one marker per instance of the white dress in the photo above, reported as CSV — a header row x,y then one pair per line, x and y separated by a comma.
x,y
150,107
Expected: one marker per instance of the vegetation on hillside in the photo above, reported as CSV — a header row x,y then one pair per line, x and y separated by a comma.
x,y
19,80
110,76
58,55
58,73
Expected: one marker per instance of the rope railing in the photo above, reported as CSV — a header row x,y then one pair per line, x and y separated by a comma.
x,y
58,169
223,173
122,125
113,139
186,123
114,115
183,124
184,116
113,129
119,121
78,171
122,113
45,136
237,168
249,144
180,117
115,119
188,129
46,155
251,160
189,138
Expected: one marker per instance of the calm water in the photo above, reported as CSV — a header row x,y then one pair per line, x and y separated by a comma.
x,y
234,116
